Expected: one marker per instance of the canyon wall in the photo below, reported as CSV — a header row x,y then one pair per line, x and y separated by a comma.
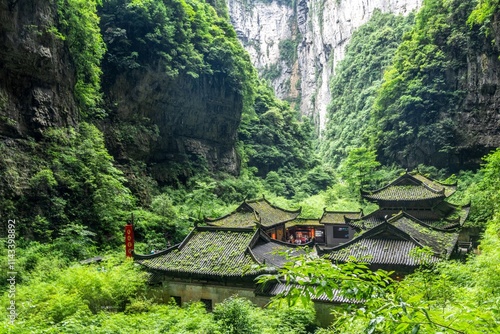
x,y
319,31
36,74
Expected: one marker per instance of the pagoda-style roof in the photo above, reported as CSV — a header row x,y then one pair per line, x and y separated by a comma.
x,y
383,245
339,217
442,216
369,221
243,217
393,241
210,251
207,251
271,215
449,189
410,188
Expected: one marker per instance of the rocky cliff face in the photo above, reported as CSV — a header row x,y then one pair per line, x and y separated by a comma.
x,y
479,119
36,74
320,31
193,117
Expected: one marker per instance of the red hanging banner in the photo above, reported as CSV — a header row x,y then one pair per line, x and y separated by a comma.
x,y
129,239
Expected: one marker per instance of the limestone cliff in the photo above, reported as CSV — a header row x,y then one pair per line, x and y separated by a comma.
x,y
36,74
320,31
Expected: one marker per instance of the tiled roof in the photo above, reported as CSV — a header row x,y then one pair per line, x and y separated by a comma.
x,y
449,189
207,251
379,251
367,222
440,241
392,241
410,187
464,213
243,217
443,216
404,193
338,217
271,215
273,252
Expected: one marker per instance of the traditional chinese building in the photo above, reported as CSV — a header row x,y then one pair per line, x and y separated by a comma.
x,y
414,224
413,215
216,262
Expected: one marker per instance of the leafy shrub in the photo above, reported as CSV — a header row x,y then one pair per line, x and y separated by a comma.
x,y
234,316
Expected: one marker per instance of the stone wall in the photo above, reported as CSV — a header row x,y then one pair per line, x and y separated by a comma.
x,y
216,293
36,74
194,116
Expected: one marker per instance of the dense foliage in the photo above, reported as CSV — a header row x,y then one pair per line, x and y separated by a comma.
x,y
177,36
70,183
67,193
112,297
277,144
79,26
356,82
414,109
450,297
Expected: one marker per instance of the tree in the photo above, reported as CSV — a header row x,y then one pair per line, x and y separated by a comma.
x,y
358,167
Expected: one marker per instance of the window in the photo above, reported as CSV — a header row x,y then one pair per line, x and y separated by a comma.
x,y
341,232
178,300
208,304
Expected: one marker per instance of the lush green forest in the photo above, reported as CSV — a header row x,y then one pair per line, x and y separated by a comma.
x,y
70,198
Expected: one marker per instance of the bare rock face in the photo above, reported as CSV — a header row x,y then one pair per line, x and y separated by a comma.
x,y
321,30
261,27
193,117
36,74
479,119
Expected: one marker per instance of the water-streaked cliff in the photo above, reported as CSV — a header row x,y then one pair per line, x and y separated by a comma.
x,y
318,29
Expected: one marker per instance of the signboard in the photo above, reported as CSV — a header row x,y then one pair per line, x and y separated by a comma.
x,y
129,239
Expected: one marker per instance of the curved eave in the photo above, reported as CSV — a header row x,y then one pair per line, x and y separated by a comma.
x,y
418,221
375,198
344,215
136,256
201,274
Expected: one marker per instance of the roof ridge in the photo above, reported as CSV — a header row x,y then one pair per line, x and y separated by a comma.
x,y
274,206
402,177
225,228
209,219
369,233
418,221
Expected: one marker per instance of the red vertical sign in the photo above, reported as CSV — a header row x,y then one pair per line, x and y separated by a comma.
x,y
129,239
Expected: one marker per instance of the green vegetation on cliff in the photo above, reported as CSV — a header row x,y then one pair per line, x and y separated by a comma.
x,y
175,36
414,92
414,108
354,87
65,185
70,199
79,25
